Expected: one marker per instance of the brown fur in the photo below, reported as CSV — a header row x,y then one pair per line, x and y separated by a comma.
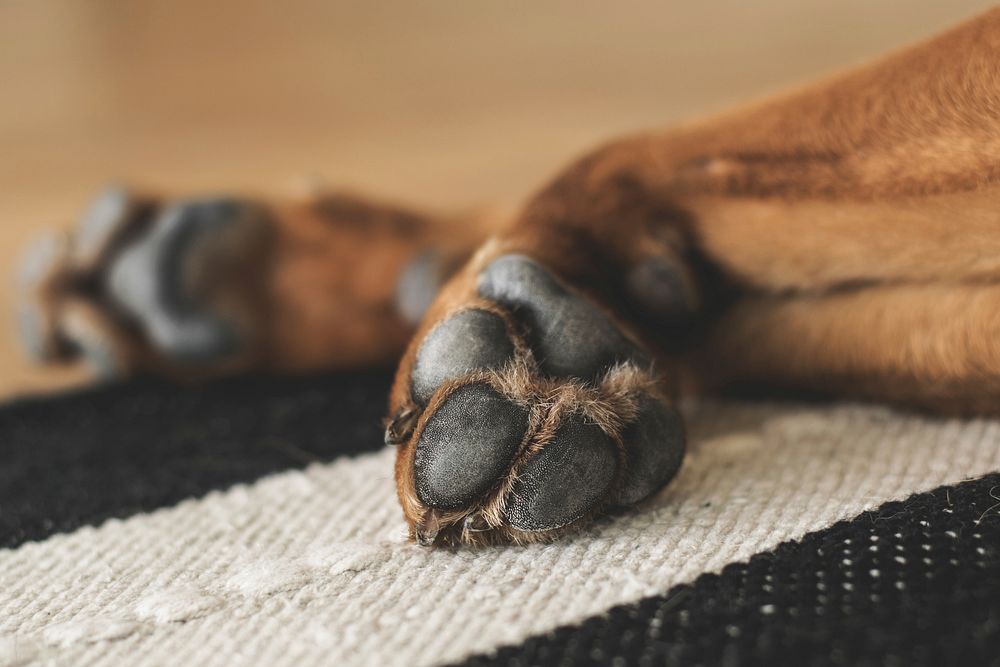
x,y
843,238
846,235
610,405
318,290
888,176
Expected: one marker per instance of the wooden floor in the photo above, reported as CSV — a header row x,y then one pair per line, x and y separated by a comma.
x,y
442,103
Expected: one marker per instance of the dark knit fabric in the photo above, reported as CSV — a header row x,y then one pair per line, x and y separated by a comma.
x,y
86,456
913,583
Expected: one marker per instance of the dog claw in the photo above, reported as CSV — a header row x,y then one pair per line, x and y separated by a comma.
x,y
400,427
427,530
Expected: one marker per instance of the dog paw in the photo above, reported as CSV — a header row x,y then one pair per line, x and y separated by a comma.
x,y
202,287
139,283
526,410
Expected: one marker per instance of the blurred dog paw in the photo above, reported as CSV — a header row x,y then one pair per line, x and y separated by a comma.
x,y
140,284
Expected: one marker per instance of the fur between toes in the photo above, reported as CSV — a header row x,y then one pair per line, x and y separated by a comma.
x,y
511,341
554,410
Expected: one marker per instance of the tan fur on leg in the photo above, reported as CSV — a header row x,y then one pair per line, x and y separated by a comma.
x,y
933,346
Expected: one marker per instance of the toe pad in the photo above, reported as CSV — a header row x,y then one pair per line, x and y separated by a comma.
x,y
565,480
467,341
654,448
467,445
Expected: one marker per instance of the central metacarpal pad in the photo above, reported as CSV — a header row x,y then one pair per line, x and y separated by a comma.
x,y
467,445
570,336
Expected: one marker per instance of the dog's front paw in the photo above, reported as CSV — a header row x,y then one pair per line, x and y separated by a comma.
x,y
523,411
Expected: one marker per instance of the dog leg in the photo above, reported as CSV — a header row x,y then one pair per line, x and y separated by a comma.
x,y
931,346
552,333
208,286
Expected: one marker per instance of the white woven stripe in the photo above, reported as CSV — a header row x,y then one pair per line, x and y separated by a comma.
x,y
310,567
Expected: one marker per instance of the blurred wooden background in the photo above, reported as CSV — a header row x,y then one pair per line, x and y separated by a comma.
x,y
437,102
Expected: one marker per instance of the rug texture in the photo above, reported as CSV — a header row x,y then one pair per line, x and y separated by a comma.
x,y
253,522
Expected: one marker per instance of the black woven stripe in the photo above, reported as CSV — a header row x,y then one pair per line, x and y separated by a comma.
x,y
914,583
85,457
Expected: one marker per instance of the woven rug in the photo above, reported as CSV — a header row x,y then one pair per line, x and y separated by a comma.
x,y
253,521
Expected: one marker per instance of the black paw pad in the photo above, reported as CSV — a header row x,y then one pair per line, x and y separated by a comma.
x,y
654,448
101,222
661,292
419,282
467,445
34,331
38,264
467,341
565,480
151,280
570,337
